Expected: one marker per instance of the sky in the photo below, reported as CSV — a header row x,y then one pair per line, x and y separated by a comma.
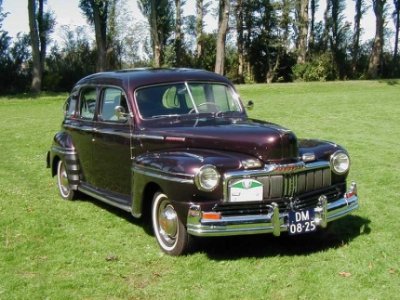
x,y
67,12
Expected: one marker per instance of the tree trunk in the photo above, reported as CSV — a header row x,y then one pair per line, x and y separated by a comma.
x,y
37,71
302,13
42,36
313,7
375,61
178,33
224,6
239,28
154,35
356,36
327,24
272,70
199,28
396,39
100,28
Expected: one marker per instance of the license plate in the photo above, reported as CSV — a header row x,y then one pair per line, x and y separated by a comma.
x,y
301,221
246,190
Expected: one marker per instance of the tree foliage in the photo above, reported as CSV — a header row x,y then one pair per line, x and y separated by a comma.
x,y
159,14
256,41
14,74
101,14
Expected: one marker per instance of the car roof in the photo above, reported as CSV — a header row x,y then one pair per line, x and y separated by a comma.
x,y
134,78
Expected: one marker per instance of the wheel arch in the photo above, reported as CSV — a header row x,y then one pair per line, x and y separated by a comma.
x,y
63,149
142,201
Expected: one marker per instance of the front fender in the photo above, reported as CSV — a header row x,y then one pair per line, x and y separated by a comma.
x,y
321,149
174,171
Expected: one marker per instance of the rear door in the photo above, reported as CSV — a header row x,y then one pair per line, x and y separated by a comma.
x,y
81,129
112,143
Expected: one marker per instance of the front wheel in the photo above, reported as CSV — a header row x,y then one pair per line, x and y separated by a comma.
x,y
170,233
66,192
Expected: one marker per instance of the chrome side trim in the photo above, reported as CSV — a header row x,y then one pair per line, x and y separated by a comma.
x,y
175,177
272,222
148,137
64,151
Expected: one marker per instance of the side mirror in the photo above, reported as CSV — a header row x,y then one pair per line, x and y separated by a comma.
x,y
250,105
120,112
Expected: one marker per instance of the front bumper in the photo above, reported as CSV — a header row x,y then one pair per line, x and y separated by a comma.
x,y
273,222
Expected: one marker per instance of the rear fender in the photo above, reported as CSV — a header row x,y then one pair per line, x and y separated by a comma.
x,y
63,149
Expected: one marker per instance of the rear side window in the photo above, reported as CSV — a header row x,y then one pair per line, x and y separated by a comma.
x,y
87,103
70,106
113,99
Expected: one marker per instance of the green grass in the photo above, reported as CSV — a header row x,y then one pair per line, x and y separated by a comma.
x,y
54,249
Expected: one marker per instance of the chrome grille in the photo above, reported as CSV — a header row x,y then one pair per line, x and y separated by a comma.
x,y
307,200
288,185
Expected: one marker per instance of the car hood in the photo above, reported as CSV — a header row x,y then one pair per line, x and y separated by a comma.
x,y
266,141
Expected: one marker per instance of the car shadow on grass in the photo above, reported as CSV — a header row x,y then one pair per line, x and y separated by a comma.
x,y
144,222
338,234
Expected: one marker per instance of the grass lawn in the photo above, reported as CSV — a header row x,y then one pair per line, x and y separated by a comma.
x,y
54,249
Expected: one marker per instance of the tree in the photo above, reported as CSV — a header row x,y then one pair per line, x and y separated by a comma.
x,y
4,38
327,25
201,11
41,24
249,34
359,12
313,7
338,35
375,60
396,15
160,17
97,13
223,19
240,40
178,44
72,60
302,24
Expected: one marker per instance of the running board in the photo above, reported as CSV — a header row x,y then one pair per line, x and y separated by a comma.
x,y
111,200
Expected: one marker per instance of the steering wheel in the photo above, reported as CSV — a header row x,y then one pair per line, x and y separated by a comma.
x,y
217,108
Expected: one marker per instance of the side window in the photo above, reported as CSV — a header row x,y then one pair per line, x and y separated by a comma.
x,y
87,104
70,106
112,100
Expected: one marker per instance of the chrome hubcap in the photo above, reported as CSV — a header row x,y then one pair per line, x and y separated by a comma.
x,y
168,222
63,180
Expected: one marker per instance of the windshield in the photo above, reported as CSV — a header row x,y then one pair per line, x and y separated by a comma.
x,y
186,98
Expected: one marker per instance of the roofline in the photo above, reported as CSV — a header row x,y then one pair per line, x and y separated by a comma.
x,y
134,78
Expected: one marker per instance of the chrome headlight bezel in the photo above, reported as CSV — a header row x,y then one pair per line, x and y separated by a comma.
x,y
207,178
340,162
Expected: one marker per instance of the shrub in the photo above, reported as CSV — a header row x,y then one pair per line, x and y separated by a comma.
x,y
321,68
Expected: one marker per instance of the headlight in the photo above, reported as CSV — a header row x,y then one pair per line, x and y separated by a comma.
x,y
340,162
207,178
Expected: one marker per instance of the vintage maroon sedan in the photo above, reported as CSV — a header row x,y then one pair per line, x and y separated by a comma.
x,y
177,146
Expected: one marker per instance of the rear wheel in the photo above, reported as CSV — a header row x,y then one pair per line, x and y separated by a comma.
x,y
66,192
170,233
